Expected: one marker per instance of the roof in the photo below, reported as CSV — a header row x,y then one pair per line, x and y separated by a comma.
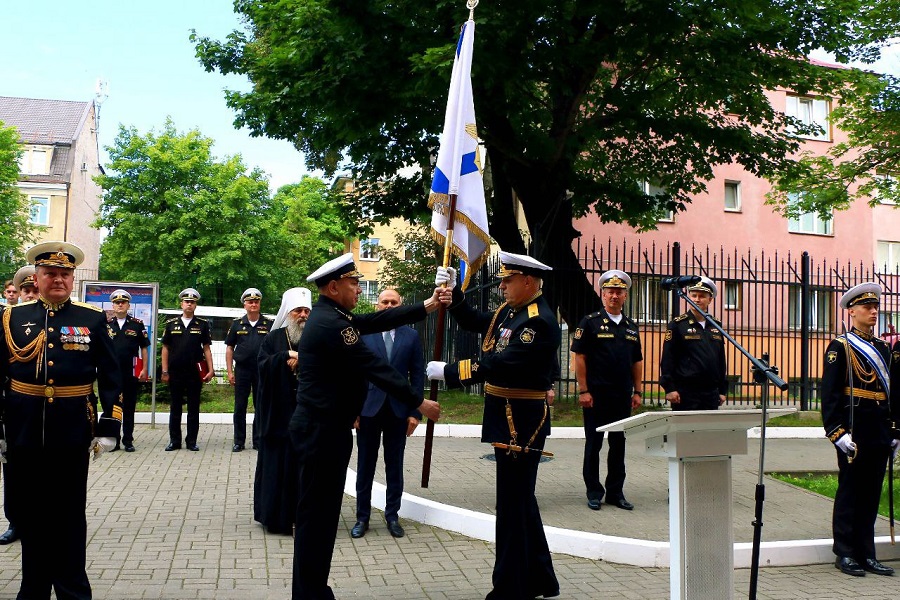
x,y
44,121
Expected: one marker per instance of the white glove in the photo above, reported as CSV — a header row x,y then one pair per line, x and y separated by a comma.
x,y
846,444
445,275
895,445
435,370
102,444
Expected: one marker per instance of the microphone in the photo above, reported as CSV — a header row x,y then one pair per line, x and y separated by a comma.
x,y
674,283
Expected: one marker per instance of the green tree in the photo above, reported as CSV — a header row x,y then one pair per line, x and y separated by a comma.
x,y
579,103
409,265
865,167
177,215
15,229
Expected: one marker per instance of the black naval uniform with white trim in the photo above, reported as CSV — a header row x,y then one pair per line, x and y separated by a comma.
x,y
859,482
128,341
610,351
185,347
53,353
517,365
334,366
693,363
246,339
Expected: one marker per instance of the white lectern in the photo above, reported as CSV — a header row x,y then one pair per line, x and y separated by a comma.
x,y
699,445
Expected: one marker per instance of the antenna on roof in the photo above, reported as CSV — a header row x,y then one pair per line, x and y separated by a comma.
x,y
101,93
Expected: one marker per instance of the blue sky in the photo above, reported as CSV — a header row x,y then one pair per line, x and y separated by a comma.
x,y
59,48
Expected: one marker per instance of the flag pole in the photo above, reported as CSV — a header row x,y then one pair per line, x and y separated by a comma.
x,y
438,345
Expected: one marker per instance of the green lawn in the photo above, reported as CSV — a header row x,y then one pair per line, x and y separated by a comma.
x,y
826,485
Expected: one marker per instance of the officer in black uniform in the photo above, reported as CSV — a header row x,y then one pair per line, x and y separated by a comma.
x,y
609,367
52,351
131,342
517,365
860,429
692,367
245,336
333,368
186,348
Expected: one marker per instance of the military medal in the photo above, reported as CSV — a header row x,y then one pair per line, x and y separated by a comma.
x,y
28,327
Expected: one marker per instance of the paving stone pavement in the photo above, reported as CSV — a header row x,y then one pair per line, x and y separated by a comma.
x,y
176,525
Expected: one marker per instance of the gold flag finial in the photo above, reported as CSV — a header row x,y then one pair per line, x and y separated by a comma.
x,y
471,4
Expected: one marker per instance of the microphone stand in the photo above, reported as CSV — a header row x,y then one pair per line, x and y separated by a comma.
x,y
762,374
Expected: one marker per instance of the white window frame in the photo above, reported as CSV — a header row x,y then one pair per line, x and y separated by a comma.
x,y
647,302
369,290
821,313
368,249
888,256
654,190
731,295
810,110
737,196
809,223
886,177
40,206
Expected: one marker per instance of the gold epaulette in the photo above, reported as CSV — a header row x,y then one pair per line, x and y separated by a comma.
x,y
172,320
533,310
201,319
681,317
86,305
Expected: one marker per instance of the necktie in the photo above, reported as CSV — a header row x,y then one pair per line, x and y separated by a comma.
x,y
388,343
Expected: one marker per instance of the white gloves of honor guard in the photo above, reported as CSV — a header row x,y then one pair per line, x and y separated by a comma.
x,y
445,275
846,444
895,445
435,369
102,444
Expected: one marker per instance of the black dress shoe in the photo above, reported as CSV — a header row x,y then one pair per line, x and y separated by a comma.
x,y
395,529
193,447
873,566
849,566
9,536
237,447
129,447
359,529
594,503
173,446
621,503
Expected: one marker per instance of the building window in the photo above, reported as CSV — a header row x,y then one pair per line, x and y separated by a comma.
x,y
652,189
733,196
732,297
809,222
408,254
810,111
369,290
368,249
40,210
647,302
888,256
821,309
888,182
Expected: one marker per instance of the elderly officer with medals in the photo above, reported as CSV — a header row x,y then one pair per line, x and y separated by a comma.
x,y
131,343
609,367
52,352
518,366
692,366
334,366
856,414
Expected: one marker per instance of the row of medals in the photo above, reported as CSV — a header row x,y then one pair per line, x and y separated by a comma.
x,y
75,342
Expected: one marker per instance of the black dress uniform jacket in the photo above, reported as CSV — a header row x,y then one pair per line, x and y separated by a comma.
x,y
185,345
128,341
247,339
693,357
65,344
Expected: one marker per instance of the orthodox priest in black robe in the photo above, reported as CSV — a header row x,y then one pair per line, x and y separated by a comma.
x,y
275,484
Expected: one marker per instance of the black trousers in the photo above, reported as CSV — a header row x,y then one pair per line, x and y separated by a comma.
x,y
184,387
390,428
523,567
8,510
129,402
698,400
246,380
50,510
321,491
615,458
856,501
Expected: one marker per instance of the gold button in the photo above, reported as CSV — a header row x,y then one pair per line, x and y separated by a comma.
x,y
51,313
50,381
50,345
50,364
50,400
50,329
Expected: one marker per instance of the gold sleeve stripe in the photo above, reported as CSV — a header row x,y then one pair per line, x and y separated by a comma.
x,y
117,412
465,370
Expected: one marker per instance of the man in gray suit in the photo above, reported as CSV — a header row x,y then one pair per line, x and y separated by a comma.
x,y
386,418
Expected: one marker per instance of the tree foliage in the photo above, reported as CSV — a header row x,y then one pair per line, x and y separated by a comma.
x,y
579,103
179,216
16,231
409,265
